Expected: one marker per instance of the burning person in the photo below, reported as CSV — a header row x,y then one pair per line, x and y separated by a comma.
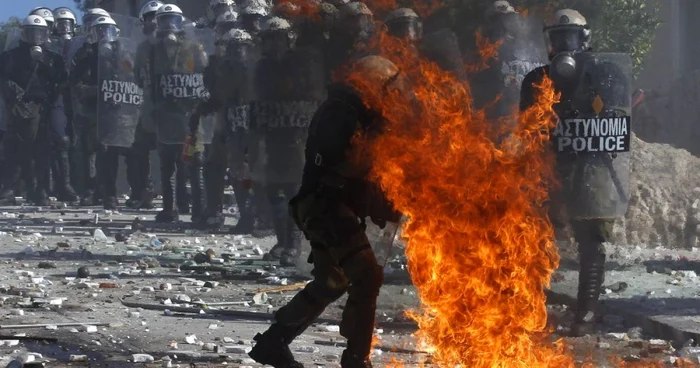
x,y
334,199
593,168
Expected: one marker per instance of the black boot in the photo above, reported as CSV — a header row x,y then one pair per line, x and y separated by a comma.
x,y
110,203
590,283
353,361
88,199
275,254
64,189
272,348
40,198
292,250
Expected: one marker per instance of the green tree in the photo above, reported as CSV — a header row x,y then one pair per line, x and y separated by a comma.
x,y
5,28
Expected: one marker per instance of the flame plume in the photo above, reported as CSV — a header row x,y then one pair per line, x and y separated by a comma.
x,y
479,245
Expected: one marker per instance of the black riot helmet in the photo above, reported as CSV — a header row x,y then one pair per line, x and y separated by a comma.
x,y
404,23
237,44
252,15
356,21
217,8
225,22
567,32
276,37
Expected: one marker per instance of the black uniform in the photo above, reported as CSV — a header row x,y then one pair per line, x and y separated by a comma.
x,y
289,90
31,91
333,198
83,85
590,234
177,75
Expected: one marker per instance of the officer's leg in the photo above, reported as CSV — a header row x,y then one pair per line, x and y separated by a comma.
x,y
41,154
278,204
139,164
109,167
90,148
11,169
167,153
590,236
292,234
214,171
197,185
241,186
329,284
60,139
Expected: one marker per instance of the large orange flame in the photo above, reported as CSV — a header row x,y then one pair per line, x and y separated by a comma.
x,y
479,245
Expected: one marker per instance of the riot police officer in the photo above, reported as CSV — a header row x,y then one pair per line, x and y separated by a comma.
x,y
251,16
350,35
594,180
222,82
45,13
217,8
290,85
145,139
59,126
331,201
31,81
64,28
177,68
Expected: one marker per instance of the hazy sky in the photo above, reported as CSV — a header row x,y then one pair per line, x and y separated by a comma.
x,y
21,8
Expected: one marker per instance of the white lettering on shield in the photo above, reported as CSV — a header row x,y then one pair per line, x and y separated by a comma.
x,y
593,135
121,92
183,86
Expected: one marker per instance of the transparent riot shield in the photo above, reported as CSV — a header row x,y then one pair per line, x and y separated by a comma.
x,y
593,136
207,37
129,27
119,98
13,37
383,240
75,44
178,87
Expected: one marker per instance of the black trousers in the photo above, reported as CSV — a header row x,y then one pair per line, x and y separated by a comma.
x,y
108,168
173,171
139,163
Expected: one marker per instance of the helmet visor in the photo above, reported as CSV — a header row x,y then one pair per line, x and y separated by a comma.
x,y
169,23
237,51
64,26
104,32
35,35
568,39
410,29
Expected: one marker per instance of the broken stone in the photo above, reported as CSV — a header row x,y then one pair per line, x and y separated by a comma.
x,y
89,329
83,272
183,298
330,328
618,287
260,298
209,346
307,349
228,340
166,286
142,358
46,265
191,339
603,345
78,358
99,235
635,333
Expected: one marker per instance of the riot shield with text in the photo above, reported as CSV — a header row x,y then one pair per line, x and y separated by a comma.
x,y
288,92
593,136
13,37
521,50
119,98
178,87
207,37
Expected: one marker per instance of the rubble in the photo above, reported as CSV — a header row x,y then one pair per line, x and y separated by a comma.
x,y
664,198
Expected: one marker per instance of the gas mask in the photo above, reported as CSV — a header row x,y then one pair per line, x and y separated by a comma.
x,y
148,27
356,28
251,22
106,49
276,43
237,51
36,52
64,28
565,39
103,33
168,26
410,29
35,36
